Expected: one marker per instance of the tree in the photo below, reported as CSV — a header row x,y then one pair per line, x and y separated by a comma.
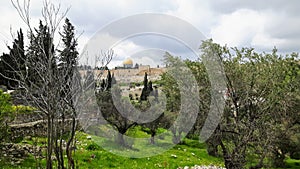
x,y
40,53
67,62
109,80
198,68
89,83
182,96
42,82
145,90
155,124
8,63
170,87
254,102
150,102
69,55
51,81
287,118
115,116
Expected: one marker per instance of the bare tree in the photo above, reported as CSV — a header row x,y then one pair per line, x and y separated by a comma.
x,y
50,83
41,81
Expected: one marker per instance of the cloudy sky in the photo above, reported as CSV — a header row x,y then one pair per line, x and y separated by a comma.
x,y
248,23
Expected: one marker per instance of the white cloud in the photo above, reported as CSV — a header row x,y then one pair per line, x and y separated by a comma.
x,y
196,12
126,49
264,41
261,24
238,28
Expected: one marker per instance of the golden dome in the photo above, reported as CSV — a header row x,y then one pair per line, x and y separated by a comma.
x,y
128,62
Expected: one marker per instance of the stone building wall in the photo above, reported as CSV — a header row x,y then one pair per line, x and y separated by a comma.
x,y
130,75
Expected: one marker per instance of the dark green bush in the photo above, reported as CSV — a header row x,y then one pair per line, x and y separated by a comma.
x,y
92,146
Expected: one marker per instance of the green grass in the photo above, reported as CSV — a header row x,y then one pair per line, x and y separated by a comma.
x,y
188,154
292,163
90,155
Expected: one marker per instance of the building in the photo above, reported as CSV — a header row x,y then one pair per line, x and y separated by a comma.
x,y
128,63
129,73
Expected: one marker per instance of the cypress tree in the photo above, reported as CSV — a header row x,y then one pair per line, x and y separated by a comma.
x,y
40,53
68,56
150,89
13,63
145,88
109,80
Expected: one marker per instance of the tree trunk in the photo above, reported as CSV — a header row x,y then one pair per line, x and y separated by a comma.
x,y
61,152
69,144
232,161
121,140
233,164
49,142
176,138
56,151
213,142
59,130
212,150
152,140
153,133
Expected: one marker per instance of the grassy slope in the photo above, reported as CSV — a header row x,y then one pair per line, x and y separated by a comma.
x,y
188,154
89,155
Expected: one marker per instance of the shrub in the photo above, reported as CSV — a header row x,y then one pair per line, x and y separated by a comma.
x,y
92,146
6,115
20,109
3,88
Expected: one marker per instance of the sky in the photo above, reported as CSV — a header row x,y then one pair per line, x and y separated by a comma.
x,y
248,23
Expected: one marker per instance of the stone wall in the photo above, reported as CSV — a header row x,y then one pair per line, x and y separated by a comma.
x,y
36,128
29,117
16,153
130,75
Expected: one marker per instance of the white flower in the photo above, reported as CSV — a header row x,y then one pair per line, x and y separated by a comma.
x,y
173,155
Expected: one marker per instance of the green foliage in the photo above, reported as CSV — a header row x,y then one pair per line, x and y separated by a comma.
x,y
6,115
189,154
138,132
13,63
171,90
147,89
92,146
5,104
111,113
39,55
68,56
261,89
292,163
21,109
109,82
68,59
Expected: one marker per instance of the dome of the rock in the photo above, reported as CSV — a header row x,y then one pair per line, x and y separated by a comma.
x,y
128,63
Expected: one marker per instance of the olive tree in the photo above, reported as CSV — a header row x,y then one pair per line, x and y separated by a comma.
x,y
255,96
